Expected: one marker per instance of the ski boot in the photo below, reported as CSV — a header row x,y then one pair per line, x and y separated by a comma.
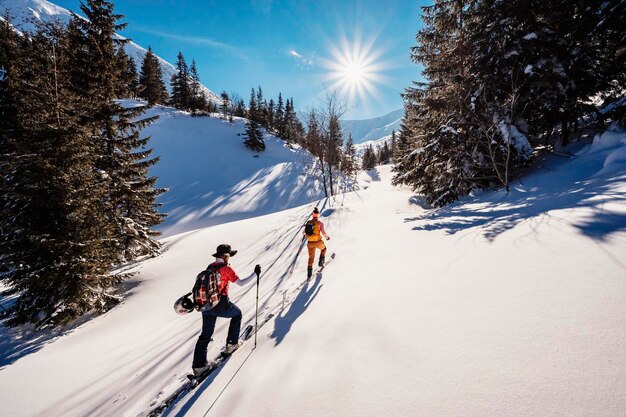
x,y
309,273
230,348
322,261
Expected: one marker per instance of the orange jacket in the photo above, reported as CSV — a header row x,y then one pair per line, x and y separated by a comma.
x,y
318,231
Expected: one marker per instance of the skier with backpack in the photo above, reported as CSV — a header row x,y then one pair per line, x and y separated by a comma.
x,y
211,297
313,231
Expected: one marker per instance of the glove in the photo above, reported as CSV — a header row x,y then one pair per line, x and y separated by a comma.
x,y
328,238
257,269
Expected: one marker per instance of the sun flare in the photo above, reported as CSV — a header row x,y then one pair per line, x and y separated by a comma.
x,y
354,69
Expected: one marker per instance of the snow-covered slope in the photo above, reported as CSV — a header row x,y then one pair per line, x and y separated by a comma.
x,y
372,129
25,12
213,178
498,305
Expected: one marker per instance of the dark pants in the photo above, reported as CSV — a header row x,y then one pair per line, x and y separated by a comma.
x,y
224,309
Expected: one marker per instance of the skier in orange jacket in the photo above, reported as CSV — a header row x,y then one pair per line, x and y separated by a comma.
x,y
313,231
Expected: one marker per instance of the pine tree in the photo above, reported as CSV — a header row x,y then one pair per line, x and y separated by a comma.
x,y
11,55
349,164
369,158
261,108
54,240
151,86
271,115
240,108
280,117
254,136
181,97
384,154
198,101
252,107
129,205
128,85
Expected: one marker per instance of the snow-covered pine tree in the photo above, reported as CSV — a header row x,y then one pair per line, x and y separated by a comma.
x,y
441,165
151,85
123,157
54,238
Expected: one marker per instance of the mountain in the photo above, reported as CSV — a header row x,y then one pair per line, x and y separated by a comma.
x,y
376,144
372,129
25,13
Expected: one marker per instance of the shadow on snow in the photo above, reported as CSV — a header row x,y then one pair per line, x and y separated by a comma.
x,y
538,200
285,319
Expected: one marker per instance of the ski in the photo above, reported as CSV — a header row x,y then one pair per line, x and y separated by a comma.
x,y
195,380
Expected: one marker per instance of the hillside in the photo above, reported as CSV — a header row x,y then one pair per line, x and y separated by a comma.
x,y
213,178
25,13
372,129
485,307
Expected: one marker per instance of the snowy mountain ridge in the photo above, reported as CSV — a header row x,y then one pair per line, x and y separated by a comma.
x,y
372,129
25,13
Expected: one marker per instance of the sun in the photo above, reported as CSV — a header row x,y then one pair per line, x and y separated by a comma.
x,y
354,69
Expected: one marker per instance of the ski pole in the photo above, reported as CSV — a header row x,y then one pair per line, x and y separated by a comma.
x,y
293,264
301,246
256,316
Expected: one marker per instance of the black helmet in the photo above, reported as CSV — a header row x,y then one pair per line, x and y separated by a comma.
x,y
184,305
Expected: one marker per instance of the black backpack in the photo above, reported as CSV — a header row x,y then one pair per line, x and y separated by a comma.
x,y
309,228
206,291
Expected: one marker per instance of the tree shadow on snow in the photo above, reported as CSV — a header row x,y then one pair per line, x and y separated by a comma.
x,y
537,201
285,319
373,174
18,342
260,194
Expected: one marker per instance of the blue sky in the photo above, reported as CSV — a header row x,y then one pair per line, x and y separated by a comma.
x,y
301,48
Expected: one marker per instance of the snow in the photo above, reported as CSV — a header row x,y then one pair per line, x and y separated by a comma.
x,y
226,181
515,138
500,304
376,145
